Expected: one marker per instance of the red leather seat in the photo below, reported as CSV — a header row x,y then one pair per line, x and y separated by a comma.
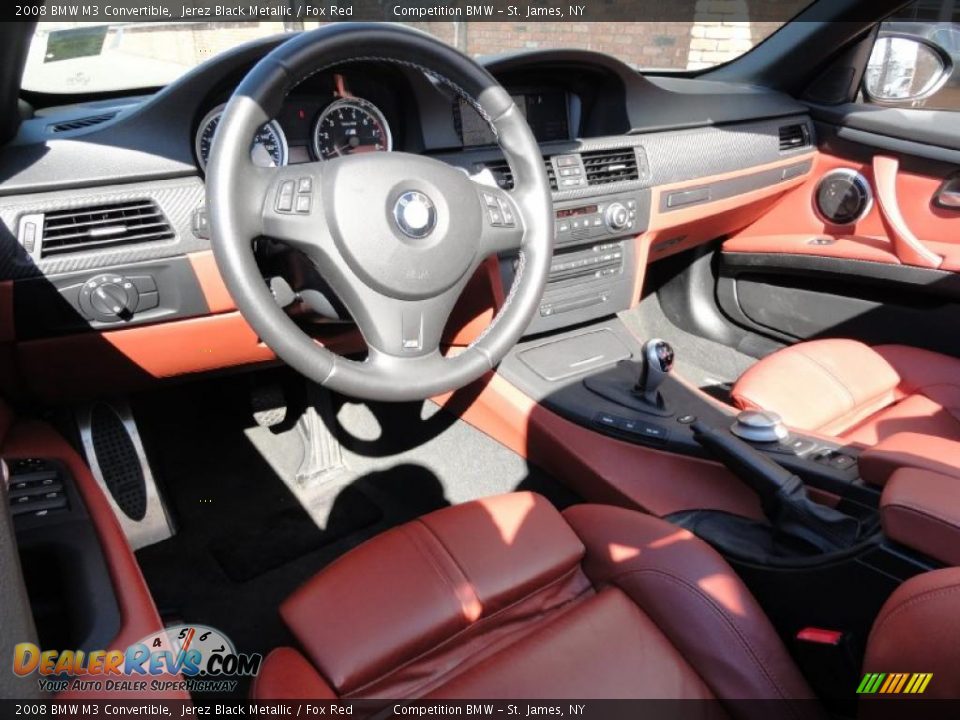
x,y
857,393
507,598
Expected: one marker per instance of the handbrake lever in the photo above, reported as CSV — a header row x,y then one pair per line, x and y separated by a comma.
x,y
782,494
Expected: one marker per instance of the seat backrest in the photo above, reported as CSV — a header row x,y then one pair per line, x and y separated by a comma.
x,y
918,631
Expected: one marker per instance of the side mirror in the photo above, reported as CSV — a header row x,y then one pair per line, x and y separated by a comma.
x,y
904,69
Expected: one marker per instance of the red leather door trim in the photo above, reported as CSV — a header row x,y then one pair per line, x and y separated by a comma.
x,y
788,226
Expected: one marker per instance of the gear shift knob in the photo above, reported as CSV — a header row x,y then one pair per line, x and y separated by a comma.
x,y
658,359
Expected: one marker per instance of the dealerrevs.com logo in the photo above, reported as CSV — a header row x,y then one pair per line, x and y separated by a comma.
x,y
203,657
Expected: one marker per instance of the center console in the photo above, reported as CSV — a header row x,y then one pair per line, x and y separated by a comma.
x,y
816,558
592,274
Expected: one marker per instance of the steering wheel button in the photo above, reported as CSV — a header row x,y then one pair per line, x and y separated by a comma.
x,y
507,213
496,217
305,185
285,196
303,204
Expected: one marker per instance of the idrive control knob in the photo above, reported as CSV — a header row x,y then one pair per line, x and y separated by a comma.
x,y
761,426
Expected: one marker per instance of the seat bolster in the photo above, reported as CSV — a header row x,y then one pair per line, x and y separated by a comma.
x,y
930,373
910,450
288,675
410,589
921,509
820,384
695,598
917,631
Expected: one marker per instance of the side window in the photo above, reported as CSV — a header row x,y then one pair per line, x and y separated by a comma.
x,y
916,59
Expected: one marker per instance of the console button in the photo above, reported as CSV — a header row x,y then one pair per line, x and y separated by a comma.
x,y
148,301
144,283
639,430
842,462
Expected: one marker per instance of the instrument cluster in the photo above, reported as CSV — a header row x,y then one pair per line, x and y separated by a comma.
x,y
311,126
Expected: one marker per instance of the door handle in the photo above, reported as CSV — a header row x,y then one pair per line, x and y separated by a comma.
x,y
908,248
948,196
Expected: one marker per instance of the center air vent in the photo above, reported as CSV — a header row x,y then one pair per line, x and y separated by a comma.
x,y
500,169
81,123
610,166
91,228
793,137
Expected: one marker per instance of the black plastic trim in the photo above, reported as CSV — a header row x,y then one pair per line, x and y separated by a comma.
x,y
67,543
48,307
923,280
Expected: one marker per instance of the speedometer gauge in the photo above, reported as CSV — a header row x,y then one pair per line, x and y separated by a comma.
x,y
269,148
350,125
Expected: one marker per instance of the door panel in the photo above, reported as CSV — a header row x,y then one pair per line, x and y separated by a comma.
x,y
789,225
795,275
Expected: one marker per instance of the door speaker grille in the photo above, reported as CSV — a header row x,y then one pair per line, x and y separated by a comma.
x,y
118,461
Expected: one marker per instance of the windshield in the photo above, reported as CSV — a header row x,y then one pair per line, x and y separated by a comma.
x,y
71,57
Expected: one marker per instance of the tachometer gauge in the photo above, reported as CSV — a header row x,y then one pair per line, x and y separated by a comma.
x,y
269,147
350,125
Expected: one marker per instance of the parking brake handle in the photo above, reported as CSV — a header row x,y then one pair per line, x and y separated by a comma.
x,y
783,497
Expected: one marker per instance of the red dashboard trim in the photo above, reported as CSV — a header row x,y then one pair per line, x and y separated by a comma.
x,y
600,468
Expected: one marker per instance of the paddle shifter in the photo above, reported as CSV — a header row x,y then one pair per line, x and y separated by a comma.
x,y
658,359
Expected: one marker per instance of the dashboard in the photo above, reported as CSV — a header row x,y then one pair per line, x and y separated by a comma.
x,y
367,107
105,252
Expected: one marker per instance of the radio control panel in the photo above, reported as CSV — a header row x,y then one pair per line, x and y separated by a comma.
x,y
592,273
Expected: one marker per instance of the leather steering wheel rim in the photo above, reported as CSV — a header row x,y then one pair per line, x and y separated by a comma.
x,y
399,288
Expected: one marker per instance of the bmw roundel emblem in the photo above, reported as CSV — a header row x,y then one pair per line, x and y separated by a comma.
x,y
415,214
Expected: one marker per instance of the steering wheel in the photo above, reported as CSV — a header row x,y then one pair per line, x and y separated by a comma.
x,y
397,236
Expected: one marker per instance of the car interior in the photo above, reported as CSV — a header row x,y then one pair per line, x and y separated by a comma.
x,y
531,374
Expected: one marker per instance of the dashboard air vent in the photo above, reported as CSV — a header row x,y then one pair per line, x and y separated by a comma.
x,y
80,123
90,228
504,175
793,137
551,173
500,169
610,166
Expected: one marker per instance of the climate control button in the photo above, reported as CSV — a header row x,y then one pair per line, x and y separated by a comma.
x,y
617,217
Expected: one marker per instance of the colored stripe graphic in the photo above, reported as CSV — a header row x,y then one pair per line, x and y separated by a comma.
x,y
894,683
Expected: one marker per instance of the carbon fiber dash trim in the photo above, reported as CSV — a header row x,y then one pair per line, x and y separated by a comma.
x,y
687,154
177,198
673,155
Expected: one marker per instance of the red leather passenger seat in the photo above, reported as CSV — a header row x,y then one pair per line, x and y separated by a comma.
x,y
857,393
507,598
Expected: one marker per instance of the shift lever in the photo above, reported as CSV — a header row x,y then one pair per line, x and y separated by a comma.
x,y
658,358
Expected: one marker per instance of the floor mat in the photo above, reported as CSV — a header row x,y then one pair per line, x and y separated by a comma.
x,y
711,366
244,542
